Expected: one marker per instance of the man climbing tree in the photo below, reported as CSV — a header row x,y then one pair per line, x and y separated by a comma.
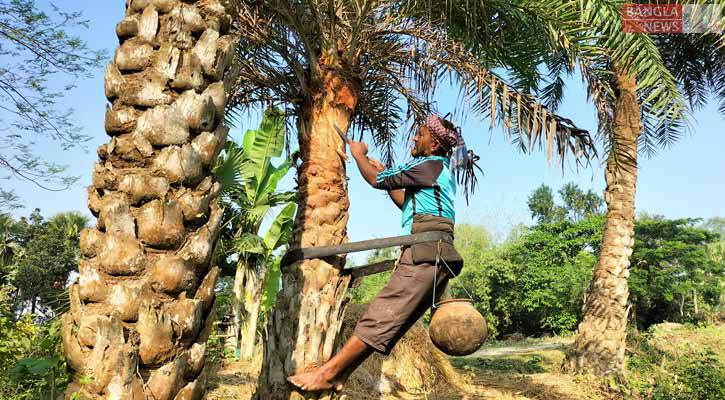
x,y
424,189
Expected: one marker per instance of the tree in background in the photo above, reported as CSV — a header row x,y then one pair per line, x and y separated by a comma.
x,y
534,283
541,205
249,186
673,278
40,61
716,252
364,290
552,265
577,204
638,100
43,255
8,246
140,313
482,260
46,253
580,204
68,224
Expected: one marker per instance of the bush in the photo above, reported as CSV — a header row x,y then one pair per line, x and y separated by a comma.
x,y
32,365
657,374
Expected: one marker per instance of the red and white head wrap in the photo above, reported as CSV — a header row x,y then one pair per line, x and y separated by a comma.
x,y
447,138
462,161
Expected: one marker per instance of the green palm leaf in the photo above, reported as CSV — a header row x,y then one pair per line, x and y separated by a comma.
x,y
229,166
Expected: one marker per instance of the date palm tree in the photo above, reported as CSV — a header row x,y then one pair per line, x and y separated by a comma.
x,y
638,84
140,313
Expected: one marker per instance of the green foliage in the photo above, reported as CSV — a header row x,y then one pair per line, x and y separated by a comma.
x,y
531,366
263,144
481,263
551,268
38,257
249,189
536,282
36,260
364,291
281,229
31,359
577,204
249,184
659,374
541,205
669,265
40,61
533,284
271,285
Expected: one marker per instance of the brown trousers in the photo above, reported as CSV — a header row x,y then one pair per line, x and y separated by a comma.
x,y
400,304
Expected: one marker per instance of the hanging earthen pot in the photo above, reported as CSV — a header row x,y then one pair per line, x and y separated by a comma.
x,y
457,328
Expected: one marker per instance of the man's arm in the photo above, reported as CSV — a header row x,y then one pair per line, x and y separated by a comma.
x,y
398,197
367,169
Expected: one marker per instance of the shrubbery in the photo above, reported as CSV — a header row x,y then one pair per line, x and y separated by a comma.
x,y
660,374
32,365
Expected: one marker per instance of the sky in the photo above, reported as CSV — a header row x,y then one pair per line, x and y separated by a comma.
x,y
685,180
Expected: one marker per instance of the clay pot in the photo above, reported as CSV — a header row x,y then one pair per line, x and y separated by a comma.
x,y
457,328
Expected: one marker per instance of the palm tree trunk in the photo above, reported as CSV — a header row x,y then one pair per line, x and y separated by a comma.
x,y
303,327
141,310
600,341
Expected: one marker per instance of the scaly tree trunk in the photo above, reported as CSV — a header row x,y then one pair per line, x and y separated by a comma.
x,y
140,312
694,301
303,327
600,341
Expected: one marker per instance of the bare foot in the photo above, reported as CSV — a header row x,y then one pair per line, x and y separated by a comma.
x,y
340,380
312,381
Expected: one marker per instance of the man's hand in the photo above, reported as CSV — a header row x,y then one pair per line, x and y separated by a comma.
x,y
358,149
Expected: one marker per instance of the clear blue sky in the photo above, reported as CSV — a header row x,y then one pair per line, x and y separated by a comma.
x,y
683,181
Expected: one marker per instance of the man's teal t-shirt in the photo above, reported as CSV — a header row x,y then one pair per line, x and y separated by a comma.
x,y
430,188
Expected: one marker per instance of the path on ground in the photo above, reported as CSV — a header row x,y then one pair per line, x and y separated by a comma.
x,y
558,343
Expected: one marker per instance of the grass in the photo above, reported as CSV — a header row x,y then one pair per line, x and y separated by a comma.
x,y
521,365
669,362
526,341
676,362
681,339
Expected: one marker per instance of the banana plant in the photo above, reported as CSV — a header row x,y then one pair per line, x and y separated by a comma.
x,y
250,191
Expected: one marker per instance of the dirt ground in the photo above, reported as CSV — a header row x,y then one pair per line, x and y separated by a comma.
x,y
527,369
232,379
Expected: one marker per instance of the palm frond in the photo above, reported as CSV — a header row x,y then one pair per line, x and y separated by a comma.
x,y
228,166
403,51
635,53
